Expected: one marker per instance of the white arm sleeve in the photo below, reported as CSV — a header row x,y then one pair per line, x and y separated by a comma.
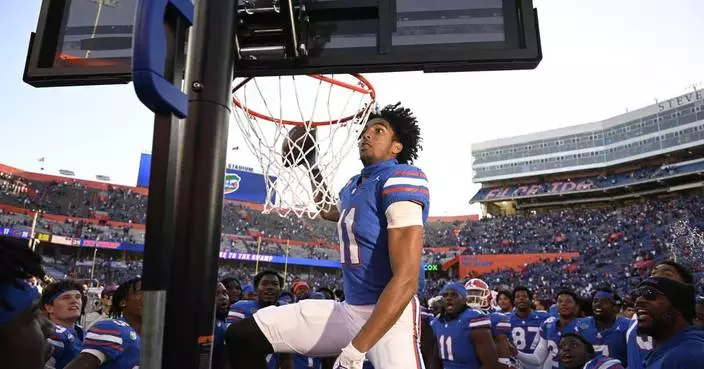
x,y
404,214
538,356
99,355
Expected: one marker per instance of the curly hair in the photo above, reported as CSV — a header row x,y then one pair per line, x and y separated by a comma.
x,y
120,295
405,126
17,261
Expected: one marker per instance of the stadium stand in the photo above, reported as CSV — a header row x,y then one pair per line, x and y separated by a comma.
x,y
616,242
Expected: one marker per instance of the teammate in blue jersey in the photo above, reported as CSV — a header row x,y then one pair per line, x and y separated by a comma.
x,y
576,352
525,323
234,289
62,301
115,343
606,330
504,302
381,215
640,344
479,297
23,330
463,333
551,331
268,284
665,310
222,308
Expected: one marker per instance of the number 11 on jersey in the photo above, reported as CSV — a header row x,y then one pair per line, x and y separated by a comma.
x,y
349,249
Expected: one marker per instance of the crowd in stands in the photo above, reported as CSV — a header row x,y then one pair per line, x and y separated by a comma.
x,y
615,243
590,182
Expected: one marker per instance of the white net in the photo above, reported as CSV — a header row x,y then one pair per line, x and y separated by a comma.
x,y
299,128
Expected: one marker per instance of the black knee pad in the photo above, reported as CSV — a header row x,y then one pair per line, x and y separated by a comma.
x,y
247,346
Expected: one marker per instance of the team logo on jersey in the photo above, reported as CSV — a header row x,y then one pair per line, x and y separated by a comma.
x,y
232,183
133,335
70,337
584,325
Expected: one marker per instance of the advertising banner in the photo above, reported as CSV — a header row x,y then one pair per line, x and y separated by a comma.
x,y
480,264
240,185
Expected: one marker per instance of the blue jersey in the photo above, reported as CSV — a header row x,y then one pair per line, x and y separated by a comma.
x,y
554,311
305,362
362,226
551,333
525,332
610,342
242,309
500,324
219,350
684,350
67,345
115,343
455,341
638,345
603,362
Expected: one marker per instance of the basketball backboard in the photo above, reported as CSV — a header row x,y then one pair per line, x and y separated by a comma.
x,y
365,36
81,42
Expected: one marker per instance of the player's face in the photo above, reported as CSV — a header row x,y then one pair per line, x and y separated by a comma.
x,y
436,307
107,302
655,312
24,340
573,354
699,317
222,300
377,142
302,293
453,302
505,302
629,311
66,307
666,271
603,308
268,290
134,301
234,292
566,306
522,300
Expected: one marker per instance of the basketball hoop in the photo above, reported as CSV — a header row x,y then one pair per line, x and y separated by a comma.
x,y
292,138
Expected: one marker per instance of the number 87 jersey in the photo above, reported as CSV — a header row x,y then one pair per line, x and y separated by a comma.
x,y
362,228
525,331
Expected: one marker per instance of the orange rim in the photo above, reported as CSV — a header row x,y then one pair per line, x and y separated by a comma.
x,y
366,89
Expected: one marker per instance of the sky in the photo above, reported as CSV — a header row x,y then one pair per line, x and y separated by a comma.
x,y
601,57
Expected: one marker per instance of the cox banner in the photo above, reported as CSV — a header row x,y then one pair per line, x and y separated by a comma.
x,y
240,185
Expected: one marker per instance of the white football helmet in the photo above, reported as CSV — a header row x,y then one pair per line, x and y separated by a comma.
x,y
478,294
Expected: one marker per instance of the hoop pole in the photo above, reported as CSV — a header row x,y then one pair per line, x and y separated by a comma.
x,y
159,236
199,187
259,246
